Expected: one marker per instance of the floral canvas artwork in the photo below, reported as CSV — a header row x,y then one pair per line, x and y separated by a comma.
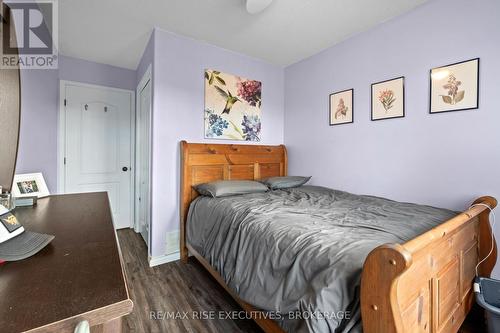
x,y
341,107
388,99
455,87
232,107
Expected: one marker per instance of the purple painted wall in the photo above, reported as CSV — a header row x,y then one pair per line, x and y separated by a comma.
x,y
38,132
146,59
73,69
178,104
446,159
40,109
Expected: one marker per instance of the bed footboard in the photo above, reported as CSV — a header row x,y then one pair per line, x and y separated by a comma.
x,y
425,284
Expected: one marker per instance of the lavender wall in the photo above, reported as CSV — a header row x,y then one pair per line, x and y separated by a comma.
x,y
40,108
73,69
146,59
38,133
445,159
179,65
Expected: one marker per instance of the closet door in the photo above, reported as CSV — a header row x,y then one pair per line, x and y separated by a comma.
x,y
10,111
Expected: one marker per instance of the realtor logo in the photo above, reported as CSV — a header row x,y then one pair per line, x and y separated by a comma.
x,y
33,42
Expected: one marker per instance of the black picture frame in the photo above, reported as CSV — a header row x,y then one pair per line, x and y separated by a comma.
x,y
330,107
404,98
453,64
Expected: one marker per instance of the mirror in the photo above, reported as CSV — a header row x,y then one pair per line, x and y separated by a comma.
x,y
10,105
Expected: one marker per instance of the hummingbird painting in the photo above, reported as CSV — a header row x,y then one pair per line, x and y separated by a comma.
x,y
230,99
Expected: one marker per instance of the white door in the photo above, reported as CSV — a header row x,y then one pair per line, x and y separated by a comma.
x,y
142,160
98,146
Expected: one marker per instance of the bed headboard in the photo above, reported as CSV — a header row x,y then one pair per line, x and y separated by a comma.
x,y
206,162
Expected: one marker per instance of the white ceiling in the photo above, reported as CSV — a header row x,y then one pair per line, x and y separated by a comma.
x,y
115,32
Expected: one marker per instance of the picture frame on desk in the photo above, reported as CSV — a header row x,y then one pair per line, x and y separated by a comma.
x,y
29,185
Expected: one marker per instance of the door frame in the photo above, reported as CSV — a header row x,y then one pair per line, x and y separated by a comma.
x,y
61,136
146,78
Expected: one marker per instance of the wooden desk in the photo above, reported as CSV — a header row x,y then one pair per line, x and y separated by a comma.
x,y
79,276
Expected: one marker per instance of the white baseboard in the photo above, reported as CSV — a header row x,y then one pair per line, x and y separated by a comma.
x,y
159,260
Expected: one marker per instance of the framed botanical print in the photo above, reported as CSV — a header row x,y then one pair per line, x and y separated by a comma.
x,y
454,87
388,99
341,107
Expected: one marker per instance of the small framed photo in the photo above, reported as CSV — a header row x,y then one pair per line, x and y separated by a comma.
x,y
342,107
454,87
388,99
29,185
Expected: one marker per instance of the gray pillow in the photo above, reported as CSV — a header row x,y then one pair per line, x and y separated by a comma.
x,y
276,183
225,188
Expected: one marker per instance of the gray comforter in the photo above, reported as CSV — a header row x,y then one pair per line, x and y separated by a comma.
x,y
298,253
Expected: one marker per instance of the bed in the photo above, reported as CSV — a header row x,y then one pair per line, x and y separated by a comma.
x,y
414,279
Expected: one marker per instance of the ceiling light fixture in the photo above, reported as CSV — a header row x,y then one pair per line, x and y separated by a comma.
x,y
257,6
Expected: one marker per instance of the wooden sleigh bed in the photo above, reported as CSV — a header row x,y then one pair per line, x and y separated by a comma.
x,y
423,285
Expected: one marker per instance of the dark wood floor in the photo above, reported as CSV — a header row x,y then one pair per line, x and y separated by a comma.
x,y
173,287
188,288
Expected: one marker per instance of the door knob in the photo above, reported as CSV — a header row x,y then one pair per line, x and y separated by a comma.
x,y
124,169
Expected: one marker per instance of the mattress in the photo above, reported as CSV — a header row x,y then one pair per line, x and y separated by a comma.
x,y
298,253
